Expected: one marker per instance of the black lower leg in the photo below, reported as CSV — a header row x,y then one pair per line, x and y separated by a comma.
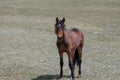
x,y
61,67
79,72
72,66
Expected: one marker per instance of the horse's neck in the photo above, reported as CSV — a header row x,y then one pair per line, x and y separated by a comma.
x,y
66,34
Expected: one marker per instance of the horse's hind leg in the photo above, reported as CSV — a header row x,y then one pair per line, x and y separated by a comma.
x,y
79,60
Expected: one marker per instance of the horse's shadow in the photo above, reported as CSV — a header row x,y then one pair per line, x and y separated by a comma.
x,y
47,77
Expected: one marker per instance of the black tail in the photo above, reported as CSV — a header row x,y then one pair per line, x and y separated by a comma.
x,y
76,57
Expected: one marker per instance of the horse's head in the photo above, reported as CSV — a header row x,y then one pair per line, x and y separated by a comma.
x,y
59,27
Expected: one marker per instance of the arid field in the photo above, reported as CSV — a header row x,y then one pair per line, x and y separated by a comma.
x,y
28,42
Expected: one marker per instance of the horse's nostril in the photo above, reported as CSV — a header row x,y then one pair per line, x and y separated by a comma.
x,y
58,37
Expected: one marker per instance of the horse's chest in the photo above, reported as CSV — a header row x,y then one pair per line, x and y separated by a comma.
x,y
62,46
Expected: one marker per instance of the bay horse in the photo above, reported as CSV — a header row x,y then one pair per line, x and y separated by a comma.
x,y
69,41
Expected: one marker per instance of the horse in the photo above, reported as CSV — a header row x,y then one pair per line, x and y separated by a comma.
x,y
70,41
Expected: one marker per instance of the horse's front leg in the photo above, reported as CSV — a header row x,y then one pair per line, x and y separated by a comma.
x,y
71,64
61,64
72,69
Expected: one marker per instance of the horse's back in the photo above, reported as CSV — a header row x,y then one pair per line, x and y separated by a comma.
x,y
77,32
77,36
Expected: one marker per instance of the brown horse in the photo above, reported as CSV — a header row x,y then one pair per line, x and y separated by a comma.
x,y
69,41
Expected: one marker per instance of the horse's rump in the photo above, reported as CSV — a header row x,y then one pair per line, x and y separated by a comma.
x,y
75,30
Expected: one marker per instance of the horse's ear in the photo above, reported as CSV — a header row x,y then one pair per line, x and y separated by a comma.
x,y
56,19
63,19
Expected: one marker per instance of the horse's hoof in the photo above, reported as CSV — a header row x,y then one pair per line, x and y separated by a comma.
x,y
71,78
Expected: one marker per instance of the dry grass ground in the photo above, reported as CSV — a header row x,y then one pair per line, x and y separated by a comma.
x,y
28,44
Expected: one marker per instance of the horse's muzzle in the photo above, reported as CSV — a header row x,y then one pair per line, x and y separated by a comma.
x,y
59,38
